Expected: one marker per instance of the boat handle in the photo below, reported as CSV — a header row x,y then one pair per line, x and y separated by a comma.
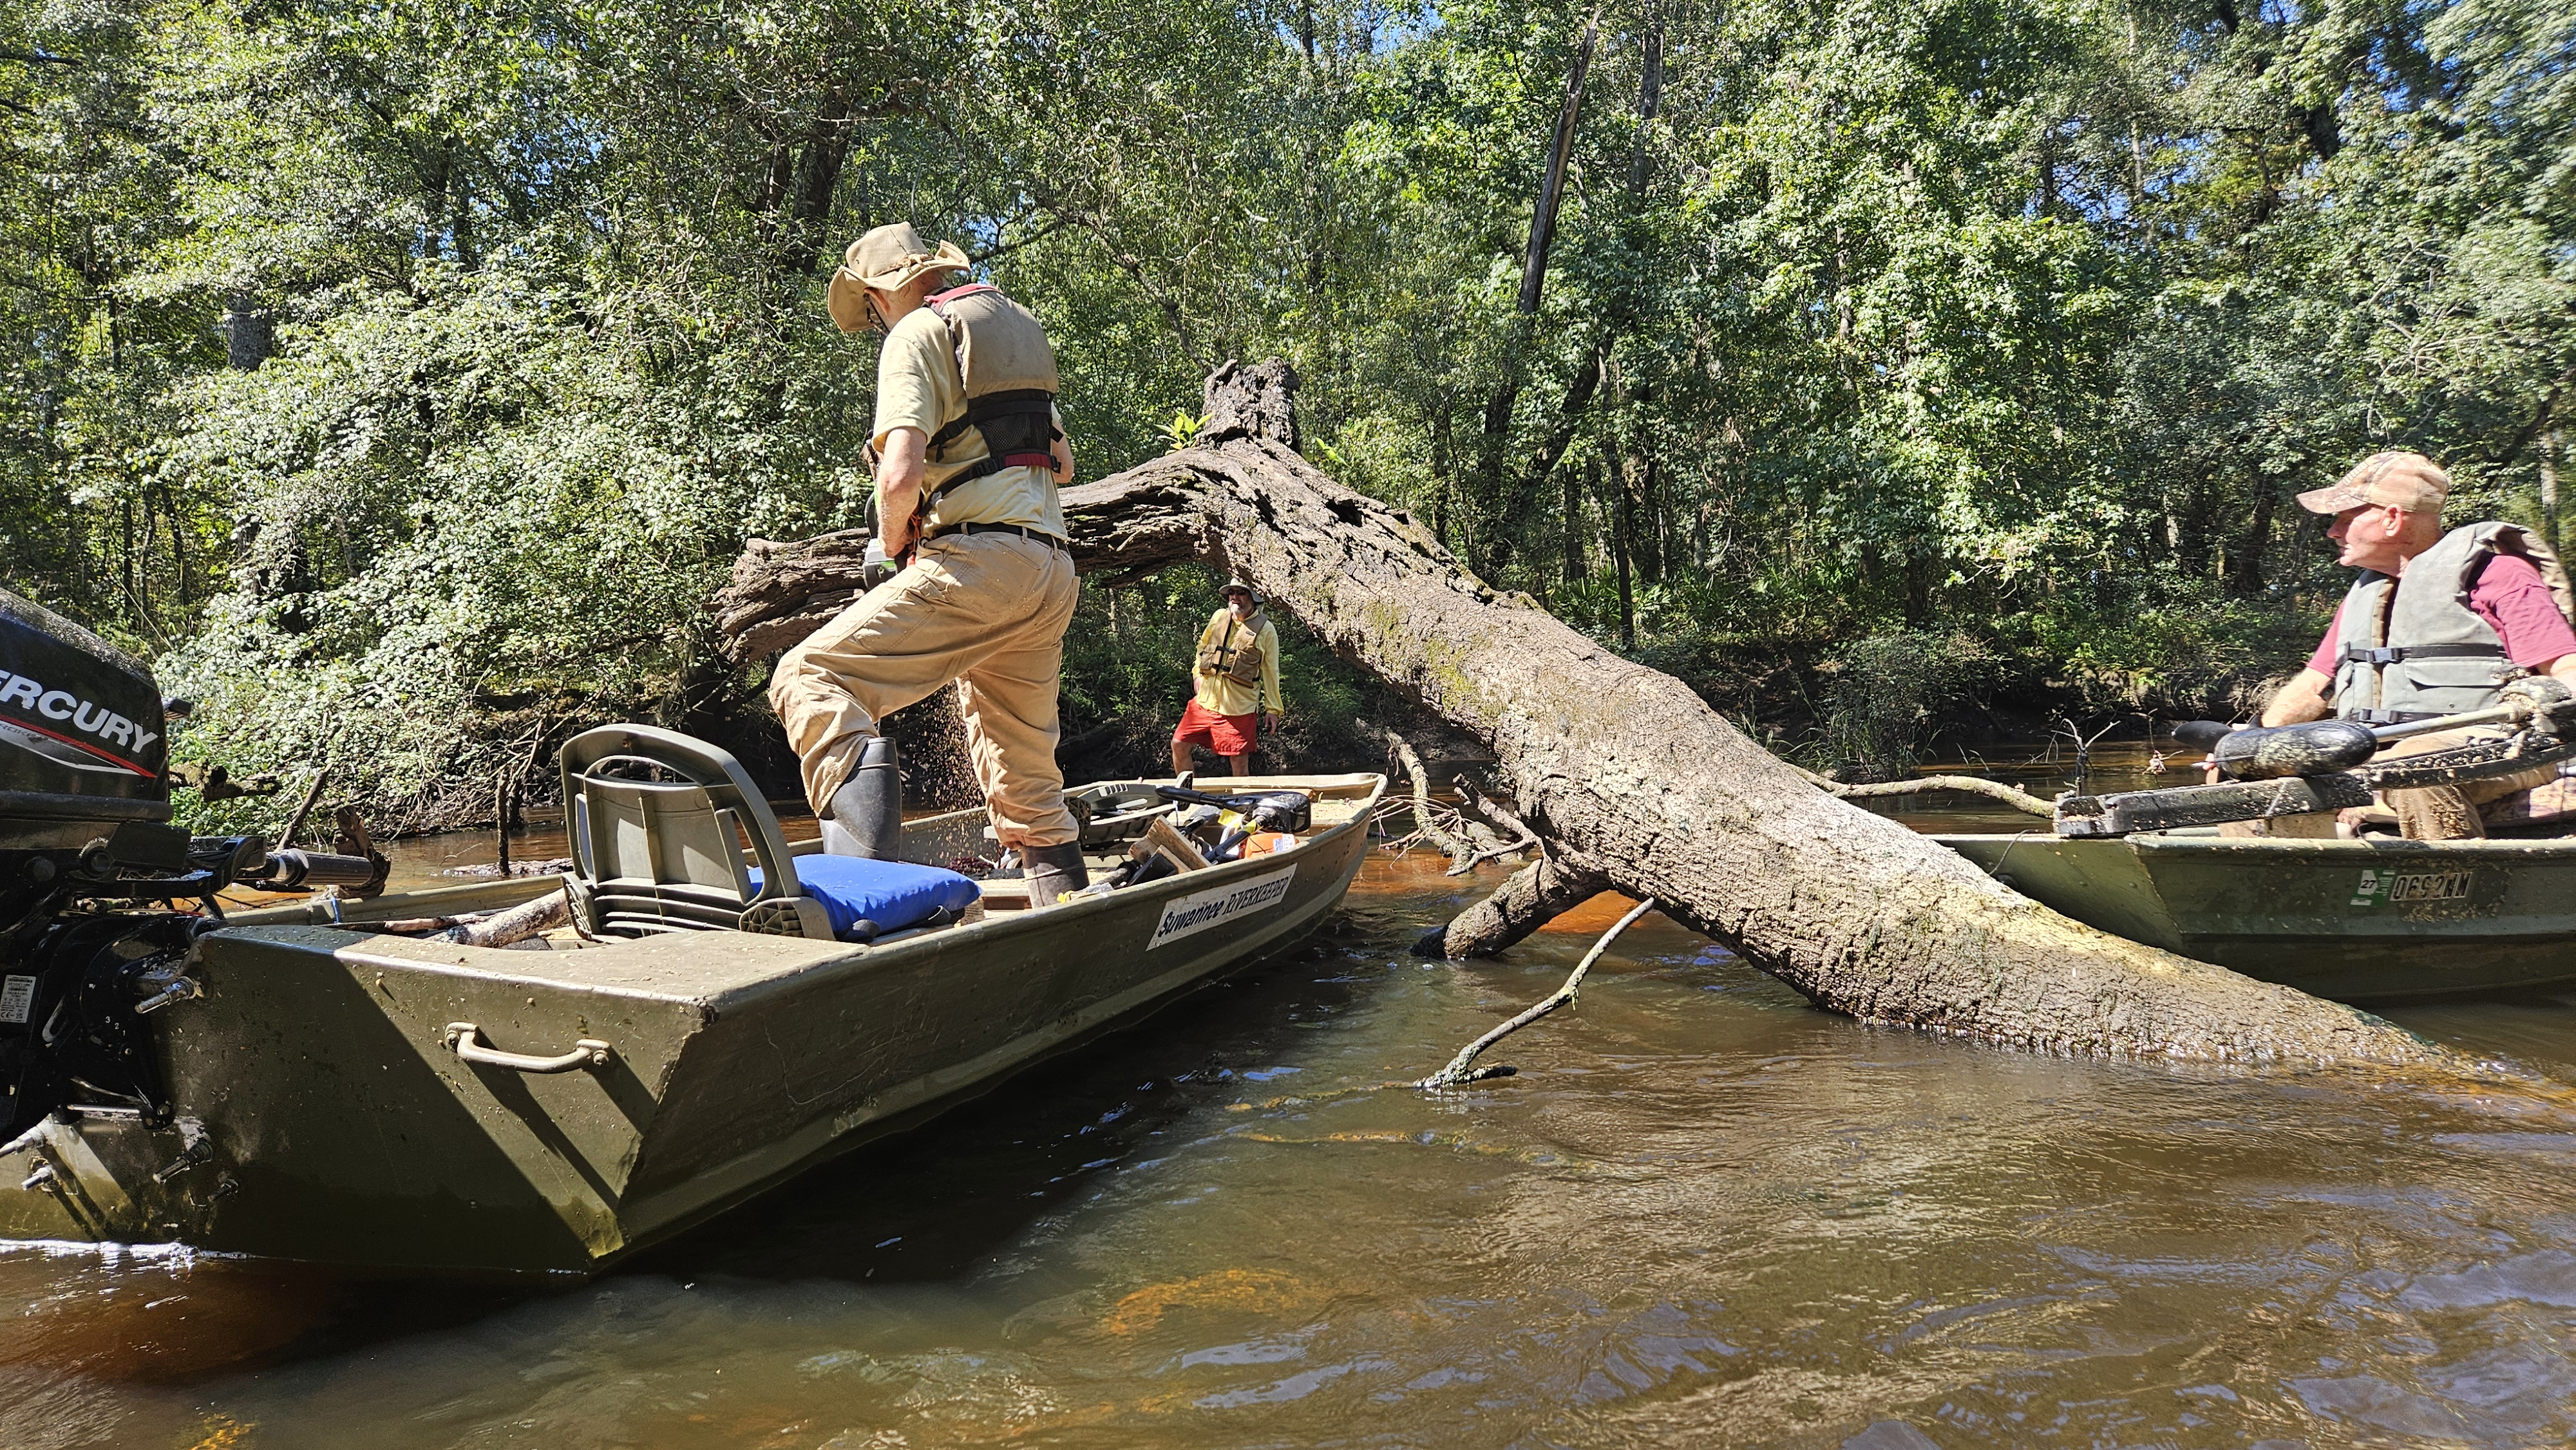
x,y
464,1037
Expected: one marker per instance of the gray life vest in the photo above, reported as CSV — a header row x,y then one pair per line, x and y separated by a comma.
x,y
1008,371
2439,657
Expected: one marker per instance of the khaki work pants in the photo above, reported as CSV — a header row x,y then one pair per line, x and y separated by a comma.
x,y
2450,812
985,610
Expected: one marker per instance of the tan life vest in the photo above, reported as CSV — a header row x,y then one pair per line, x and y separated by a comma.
x,y
1007,370
1237,655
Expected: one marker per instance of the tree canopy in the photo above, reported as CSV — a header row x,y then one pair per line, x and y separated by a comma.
x,y
403,377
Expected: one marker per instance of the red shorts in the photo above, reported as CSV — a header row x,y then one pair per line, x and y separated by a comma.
x,y
1227,735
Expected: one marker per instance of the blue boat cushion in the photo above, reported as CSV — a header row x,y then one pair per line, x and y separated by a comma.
x,y
893,894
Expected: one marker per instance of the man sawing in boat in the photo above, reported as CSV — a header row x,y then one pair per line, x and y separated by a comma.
x,y
2439,623
969,453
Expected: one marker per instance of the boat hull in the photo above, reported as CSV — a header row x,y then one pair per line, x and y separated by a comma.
x,y
324,1114
2358,921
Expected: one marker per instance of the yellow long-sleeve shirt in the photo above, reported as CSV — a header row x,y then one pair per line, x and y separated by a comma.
x,y
1221,692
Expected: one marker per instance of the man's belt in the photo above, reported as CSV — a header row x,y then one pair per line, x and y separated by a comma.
x,y
1036,535
2390,717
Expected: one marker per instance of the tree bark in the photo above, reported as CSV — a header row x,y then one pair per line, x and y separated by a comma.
x,y
1552,188
1619,555
1530,898
1650,101
2549,489
1494,527
1631,776
2245,561
250,333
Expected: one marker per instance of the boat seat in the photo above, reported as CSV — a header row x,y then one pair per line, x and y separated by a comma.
x,y
654,856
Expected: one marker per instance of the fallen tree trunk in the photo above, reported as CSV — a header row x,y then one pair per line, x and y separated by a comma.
x,y
1636,782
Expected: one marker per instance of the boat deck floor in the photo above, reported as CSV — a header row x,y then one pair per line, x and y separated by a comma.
x,y
1001,894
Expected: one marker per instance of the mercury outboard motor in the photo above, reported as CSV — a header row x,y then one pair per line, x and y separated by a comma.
x,y
91,871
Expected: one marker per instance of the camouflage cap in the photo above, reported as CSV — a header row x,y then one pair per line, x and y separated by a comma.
x,y
2408,481
886,258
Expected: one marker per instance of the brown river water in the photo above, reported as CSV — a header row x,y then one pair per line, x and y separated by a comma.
x,y
1704,1213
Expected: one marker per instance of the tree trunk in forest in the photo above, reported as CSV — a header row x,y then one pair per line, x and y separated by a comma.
x,y
1578,562
2549,489
1650,557
1552,188
1625,471
1631,778
1619,524
1650,100
1495,547
250,333
818,172
2245,561
1569,421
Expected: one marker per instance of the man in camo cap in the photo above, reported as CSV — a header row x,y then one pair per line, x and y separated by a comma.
x,y
2438,623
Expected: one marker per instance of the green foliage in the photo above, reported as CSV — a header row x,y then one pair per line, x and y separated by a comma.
x,y
402,376
1888,693
1127,663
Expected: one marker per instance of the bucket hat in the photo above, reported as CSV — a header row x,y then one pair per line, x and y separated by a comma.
x,y
886,258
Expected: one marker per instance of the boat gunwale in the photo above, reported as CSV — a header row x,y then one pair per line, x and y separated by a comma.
x,y
491,964
2157,842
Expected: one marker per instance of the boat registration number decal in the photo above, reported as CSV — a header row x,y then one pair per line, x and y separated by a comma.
x,y
17,998
2379,887
1201,910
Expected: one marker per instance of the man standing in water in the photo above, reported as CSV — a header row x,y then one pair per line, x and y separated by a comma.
x,y
969,452
1237,684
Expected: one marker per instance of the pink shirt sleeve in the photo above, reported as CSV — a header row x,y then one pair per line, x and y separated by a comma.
x,y
2514,602
2324,661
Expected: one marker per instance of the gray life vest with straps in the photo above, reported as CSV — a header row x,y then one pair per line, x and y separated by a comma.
x,y
1008,371
2438,656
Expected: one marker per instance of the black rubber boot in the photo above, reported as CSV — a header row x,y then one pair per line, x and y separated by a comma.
x,y
866,818
1051,871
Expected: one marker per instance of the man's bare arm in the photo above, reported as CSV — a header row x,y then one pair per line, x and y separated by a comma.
x,y
900,467
1063,459
2301,700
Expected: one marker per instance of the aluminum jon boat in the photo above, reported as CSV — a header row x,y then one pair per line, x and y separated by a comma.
x,y
2370,920
337,1093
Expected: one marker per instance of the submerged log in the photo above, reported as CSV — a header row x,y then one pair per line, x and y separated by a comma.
x,y
1530,898
1631,778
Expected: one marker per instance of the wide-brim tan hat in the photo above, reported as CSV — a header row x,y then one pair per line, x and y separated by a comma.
x,y
886,258
2409,481
1232,585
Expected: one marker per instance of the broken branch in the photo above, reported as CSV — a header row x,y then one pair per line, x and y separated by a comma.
x,y
1456,1072
1991,789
